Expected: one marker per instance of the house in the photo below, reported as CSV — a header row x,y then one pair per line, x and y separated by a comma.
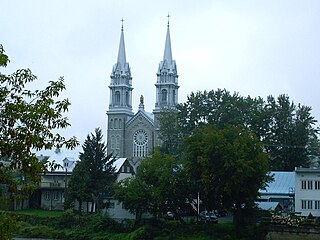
x,y
307,193
281,190
50,194
116,210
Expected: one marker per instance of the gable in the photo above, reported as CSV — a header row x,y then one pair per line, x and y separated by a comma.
x,y
141,117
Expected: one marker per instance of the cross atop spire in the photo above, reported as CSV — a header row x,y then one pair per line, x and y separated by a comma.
x,y
168,18
122,24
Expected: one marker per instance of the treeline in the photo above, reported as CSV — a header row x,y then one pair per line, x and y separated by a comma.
x,y
288,131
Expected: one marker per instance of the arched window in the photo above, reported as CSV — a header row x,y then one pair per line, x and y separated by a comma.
x,y
127,99
164,94
120,123
113,144
118,142
117,98
111,124
115,123
174,96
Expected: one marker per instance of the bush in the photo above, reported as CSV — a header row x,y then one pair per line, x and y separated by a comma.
x,y
7,226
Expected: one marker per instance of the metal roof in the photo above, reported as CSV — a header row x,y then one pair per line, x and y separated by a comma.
x,y
283,183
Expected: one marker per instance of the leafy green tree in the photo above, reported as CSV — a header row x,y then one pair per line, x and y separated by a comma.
x,y
288,131
29,122
291,135
169,133
157,187
96,171
229,166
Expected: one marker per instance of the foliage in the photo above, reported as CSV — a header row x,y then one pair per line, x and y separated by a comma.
x,y
157,187
94,174
229,166
7,226
169,133
288,131
29,120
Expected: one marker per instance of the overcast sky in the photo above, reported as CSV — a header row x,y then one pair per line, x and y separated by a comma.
x,y
256,48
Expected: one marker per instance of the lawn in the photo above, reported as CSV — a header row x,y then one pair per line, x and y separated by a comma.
x,y
39,213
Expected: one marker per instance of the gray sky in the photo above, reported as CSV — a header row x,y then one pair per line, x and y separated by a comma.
x,y
256,48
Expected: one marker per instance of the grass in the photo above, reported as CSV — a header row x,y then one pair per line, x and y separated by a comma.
x,y
38,213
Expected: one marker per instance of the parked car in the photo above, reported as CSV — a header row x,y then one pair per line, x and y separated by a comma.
x,y
208,217
171,216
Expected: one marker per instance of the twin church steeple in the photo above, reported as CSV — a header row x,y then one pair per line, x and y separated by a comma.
x,y
131,135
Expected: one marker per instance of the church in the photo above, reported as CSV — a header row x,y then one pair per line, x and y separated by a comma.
x,y
135,135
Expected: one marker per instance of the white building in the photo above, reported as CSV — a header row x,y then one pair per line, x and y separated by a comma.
x,y
307,191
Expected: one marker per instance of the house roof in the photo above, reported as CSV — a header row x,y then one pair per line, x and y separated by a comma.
x,y
270,206
283,184
118,164
64,156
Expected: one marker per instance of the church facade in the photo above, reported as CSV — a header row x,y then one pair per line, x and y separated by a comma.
x,y
135,135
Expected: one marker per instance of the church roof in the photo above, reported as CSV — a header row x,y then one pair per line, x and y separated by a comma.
x,y
146,115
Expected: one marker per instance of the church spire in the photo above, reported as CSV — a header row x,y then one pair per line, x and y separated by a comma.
x,y
122,50
167,50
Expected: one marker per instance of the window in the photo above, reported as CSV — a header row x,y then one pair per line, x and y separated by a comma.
x,y
310,185
140,143
164,95
174,96
55,195
47,195
120,123
317,185
309,204
115,123
303,184
113,142
127,99
118,142
111,123
317,204
117,98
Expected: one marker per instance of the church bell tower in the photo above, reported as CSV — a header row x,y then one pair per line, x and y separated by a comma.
x,y
120,103
167,80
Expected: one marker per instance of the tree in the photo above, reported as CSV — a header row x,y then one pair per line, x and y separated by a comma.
x,y
288,131
78,186
29,120
157,187
95,170
291,135
228,164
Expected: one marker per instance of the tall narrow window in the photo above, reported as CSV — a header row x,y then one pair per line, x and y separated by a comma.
x,y
113,144
118,142
116,123
127,99
111,124
117,98
317,185
310,185
303,184
164,96
120,123
317,204
173,97
303,204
